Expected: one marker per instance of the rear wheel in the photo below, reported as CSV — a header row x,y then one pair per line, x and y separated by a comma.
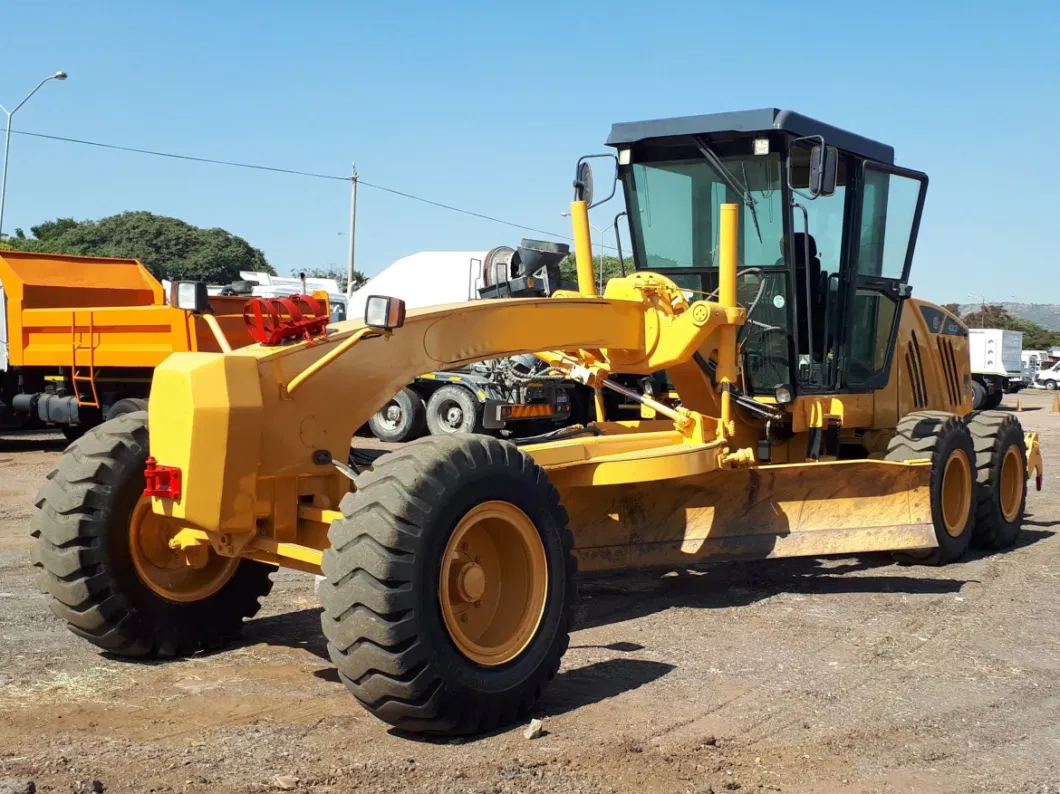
x,y
403,418
945,439
105,558
449,592
452,410
126,405
978,395
992,401
1001,471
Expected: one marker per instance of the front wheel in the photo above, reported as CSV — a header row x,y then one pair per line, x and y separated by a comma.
x,y
449,588
1050,385
105,559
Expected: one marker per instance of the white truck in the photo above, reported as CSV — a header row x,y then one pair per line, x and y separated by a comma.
x,y
519,395
997,364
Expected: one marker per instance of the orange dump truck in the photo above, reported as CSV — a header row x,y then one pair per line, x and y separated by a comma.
x,y
80,337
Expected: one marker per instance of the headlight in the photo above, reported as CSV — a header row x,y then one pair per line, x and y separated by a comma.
x,y
783,394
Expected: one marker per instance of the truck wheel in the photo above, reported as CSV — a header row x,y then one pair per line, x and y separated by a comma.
x,y
450,586
1050,385
945,439
104,557
992,401
401,419
453,409
1001,466
978,395
126,405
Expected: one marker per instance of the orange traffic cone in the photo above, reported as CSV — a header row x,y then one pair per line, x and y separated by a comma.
x,y
1056,404
1019,405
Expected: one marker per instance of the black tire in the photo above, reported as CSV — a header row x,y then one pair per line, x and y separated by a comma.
x,y
995,435
978,395
992,401
940,436
382,612
1050,385
453,410
403,418
84,560
126,405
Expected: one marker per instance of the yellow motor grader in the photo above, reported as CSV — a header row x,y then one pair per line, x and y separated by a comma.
x,y
821,410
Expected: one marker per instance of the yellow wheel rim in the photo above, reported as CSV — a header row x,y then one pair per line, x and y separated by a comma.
x,y
956,493
493,582
182,575
1010,484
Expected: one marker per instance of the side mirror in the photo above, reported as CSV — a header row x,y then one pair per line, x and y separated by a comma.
x,y
384,312
823,170
191,296
583,179
583,183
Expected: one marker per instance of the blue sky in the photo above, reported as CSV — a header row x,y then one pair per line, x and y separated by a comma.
x,y
487,105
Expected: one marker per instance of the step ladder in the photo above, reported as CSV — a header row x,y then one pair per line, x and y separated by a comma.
x,y
80,370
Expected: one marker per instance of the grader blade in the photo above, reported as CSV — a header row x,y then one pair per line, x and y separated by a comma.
x,y
842,507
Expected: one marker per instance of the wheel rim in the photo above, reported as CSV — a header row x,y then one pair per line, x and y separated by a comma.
x,y
452,415
493,582
182,575
1011,483
391,416
956,493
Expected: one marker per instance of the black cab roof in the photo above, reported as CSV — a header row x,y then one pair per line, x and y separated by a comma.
x,y
750,121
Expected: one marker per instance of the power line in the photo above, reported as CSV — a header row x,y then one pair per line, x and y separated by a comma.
x,y
293,172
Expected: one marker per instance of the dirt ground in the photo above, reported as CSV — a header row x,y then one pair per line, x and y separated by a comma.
x,y
839,675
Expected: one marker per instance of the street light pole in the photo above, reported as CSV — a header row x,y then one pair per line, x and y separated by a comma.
x,y
353,228
7,140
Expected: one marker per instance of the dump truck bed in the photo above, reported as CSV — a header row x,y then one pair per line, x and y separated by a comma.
x,y
98,312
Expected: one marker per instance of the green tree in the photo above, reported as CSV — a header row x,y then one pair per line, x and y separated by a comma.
x,y
612,268
955,308
170,248
337,273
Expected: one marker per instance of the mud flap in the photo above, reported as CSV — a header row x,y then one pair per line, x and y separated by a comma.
x,y
1034,458
840,507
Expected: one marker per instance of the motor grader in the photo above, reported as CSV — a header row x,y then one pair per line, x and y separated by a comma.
x,y
822,410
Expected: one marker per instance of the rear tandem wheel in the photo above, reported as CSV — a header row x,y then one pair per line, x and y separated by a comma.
x,y
945,439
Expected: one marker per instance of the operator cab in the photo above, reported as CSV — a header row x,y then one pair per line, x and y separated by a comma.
x,y
827,229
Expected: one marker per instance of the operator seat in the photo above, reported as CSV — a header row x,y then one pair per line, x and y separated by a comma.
x,y
816,307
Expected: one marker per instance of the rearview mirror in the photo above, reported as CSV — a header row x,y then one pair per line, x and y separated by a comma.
x,y
384,312
583,179
823,170
191,296
583,183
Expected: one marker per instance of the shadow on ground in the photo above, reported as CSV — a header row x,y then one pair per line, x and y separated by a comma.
x,y
620,597
32,443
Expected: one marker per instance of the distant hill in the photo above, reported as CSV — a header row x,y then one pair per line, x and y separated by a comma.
x,y
1046,315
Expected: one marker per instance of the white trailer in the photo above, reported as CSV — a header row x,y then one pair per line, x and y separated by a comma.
x,y
997,364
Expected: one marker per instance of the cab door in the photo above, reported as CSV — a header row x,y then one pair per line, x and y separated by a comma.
x,y
886,221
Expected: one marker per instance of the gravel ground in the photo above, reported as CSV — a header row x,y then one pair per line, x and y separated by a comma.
x,y
839,675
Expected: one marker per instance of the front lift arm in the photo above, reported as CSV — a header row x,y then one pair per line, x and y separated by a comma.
x,y
249,450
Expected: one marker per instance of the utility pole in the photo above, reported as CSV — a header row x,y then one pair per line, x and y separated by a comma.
x,y
353,228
